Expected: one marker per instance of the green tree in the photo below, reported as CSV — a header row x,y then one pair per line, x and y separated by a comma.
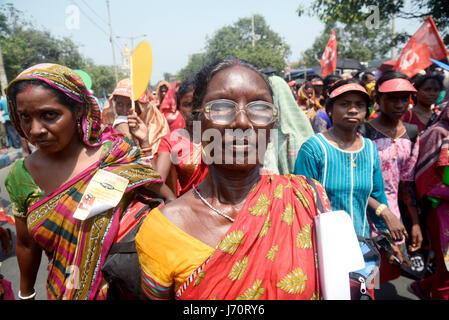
x,y
196,62
264,47
103,79
357,11
354,41
23,45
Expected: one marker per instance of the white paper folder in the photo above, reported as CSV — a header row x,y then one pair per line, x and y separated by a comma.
x,y
338,252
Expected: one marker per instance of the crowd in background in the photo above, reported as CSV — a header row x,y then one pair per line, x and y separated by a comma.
x,y
374,144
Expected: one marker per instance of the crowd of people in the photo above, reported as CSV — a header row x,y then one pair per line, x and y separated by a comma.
x,y
227,172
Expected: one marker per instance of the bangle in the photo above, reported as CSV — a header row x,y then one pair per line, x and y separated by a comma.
x,y
31,296
380,208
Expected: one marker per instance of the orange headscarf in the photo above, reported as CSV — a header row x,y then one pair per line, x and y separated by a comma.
x,y
158,92
309,104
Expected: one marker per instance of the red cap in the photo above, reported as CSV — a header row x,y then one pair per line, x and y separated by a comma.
x,y
395,85
292,83
346,88
317,82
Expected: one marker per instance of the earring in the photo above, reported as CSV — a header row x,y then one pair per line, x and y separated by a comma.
x,y
79,127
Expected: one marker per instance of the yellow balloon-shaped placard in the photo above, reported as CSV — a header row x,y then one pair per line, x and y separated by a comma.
x,y
141,64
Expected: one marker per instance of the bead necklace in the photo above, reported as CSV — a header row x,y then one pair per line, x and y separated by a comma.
x,y
224,215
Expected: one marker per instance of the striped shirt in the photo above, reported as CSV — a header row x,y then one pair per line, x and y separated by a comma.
x,y
348,186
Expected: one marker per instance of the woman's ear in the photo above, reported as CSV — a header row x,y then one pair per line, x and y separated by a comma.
x,y
79,111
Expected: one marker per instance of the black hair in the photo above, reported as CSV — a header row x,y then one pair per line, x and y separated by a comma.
x,y
203,77
330,101
419,80
365,76
185,87
388,75
308,85
328,81
62,98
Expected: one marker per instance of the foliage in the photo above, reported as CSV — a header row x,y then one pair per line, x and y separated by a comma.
x,y
236,40
354,41
357,11
23,45
196,62
103,79
350,11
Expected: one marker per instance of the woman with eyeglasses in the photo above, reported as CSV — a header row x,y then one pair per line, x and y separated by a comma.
x,y
238,234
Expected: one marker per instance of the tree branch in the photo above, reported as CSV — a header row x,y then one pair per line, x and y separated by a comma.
x,y
410,15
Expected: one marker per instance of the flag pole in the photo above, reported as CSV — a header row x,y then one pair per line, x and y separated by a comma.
x,y
132,84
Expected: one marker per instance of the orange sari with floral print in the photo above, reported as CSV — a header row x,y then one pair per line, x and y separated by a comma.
x,y
270,250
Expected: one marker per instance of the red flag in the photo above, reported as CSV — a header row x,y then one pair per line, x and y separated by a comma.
x,y
329,58
426,43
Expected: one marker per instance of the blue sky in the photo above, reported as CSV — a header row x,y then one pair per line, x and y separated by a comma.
x,y
175,29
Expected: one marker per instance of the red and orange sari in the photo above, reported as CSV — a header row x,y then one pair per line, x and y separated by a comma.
x,y
269,252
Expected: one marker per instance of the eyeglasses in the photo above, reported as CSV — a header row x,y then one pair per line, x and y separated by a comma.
x,y
223,112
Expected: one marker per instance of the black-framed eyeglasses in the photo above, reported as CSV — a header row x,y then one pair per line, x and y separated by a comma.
x,y
223,112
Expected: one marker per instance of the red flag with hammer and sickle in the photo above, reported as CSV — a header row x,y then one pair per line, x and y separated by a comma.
x,y
329,58
426,43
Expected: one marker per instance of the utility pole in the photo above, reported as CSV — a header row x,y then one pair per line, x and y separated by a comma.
x,y
112,42
393,33
3,80
132,39
253,33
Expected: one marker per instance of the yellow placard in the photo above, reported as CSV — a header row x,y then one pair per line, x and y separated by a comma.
x,y
141,66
